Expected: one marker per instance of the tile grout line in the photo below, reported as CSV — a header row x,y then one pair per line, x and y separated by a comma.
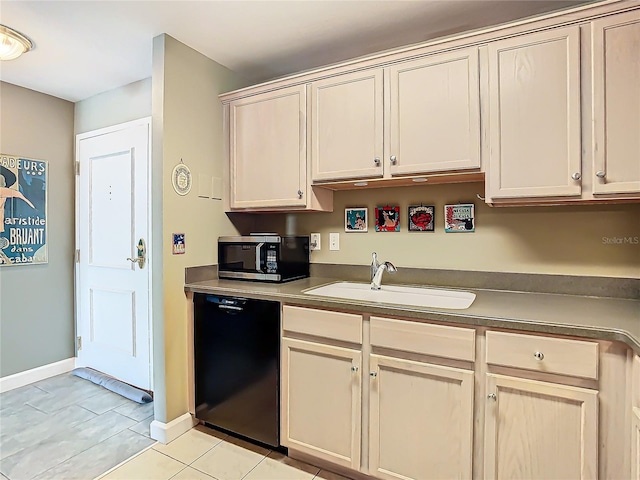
x,y
124,462
256,466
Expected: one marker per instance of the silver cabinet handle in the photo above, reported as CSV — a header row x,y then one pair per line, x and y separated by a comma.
x,y
539,355
373,374
600,174
393,159
300,193
354,368
492,396
576,176
377,161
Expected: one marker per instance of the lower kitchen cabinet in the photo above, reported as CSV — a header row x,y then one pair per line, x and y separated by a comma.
x,y
537,429
321,403
421,420
635,444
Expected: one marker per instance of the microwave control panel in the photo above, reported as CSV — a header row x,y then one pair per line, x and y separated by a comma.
x,y
272,259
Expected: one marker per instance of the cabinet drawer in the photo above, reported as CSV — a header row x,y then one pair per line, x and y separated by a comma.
x,y
437,340
321,323
543,354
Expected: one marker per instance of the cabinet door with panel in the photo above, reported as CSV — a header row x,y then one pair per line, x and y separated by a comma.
x,y
267,149
421,420
534,99
346,126
616,103
635,444
321,403
537,429
435,113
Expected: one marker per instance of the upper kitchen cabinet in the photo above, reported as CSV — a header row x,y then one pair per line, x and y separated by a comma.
x,y
268,153
268,149
616,103
431,121
434,123
346,126
534,99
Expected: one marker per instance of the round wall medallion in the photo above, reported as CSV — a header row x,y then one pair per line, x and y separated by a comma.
x,y
181,179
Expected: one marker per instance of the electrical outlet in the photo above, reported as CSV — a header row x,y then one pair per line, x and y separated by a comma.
x,y
334,241
314,244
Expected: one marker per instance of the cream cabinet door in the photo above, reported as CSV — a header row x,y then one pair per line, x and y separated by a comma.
x,y
539,430
267,149
635,444
346,126
320,401
534,121
616,103
435,113
421,420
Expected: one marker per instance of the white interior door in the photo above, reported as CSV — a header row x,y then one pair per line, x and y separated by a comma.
x,y
113,293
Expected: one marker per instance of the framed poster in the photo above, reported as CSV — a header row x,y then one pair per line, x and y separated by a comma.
x,y
355,219
388,219
23,210
421,218
459,218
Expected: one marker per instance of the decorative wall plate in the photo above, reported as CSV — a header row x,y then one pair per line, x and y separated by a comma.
x,y
181,179
421,218
459,218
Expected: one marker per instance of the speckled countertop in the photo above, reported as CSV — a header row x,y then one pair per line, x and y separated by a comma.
x,y
583,316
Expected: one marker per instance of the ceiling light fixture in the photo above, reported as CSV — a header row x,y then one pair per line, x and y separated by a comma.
x,y
13,43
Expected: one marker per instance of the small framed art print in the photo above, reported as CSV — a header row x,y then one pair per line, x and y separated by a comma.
x,y
388,219
459,218
355,219
421,218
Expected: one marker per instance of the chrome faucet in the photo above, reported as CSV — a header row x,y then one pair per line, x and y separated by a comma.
x,y
380,269
374,265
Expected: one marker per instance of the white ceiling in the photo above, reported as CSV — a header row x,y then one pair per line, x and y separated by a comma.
x,y
88,47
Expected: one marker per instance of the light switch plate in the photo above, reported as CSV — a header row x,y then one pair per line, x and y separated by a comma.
x,y
314,243
204,186
216,188
334,241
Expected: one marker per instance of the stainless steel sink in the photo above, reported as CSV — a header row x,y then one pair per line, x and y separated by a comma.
x,y
397,295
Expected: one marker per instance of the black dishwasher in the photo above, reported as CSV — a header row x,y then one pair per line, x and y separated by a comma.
x,y
237,358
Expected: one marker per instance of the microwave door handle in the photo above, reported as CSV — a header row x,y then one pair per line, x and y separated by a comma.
x,y
258,255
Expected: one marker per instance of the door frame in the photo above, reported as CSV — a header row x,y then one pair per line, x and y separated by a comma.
x,y
145,121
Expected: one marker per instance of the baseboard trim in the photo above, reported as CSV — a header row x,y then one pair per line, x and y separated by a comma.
x,y
167,432
21,379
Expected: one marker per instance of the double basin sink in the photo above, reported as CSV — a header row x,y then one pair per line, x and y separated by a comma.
x,y
397,295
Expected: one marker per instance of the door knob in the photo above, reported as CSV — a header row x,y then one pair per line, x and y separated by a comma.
x,y
576,176
377,161
492,396
393,159
600,174
142,254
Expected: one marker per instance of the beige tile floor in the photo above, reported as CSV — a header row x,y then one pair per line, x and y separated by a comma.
x,y
204,454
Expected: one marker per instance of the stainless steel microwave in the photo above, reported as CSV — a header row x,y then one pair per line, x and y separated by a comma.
x,y
266,258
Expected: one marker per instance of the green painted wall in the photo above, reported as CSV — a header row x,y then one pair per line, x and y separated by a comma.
x,y
36,301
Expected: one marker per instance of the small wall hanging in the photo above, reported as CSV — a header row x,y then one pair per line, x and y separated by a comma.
x,y
23,210
421,218
459,218
388,219
181,179
179,247
355,219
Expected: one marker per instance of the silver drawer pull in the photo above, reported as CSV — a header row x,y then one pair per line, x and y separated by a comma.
x,y
539,355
